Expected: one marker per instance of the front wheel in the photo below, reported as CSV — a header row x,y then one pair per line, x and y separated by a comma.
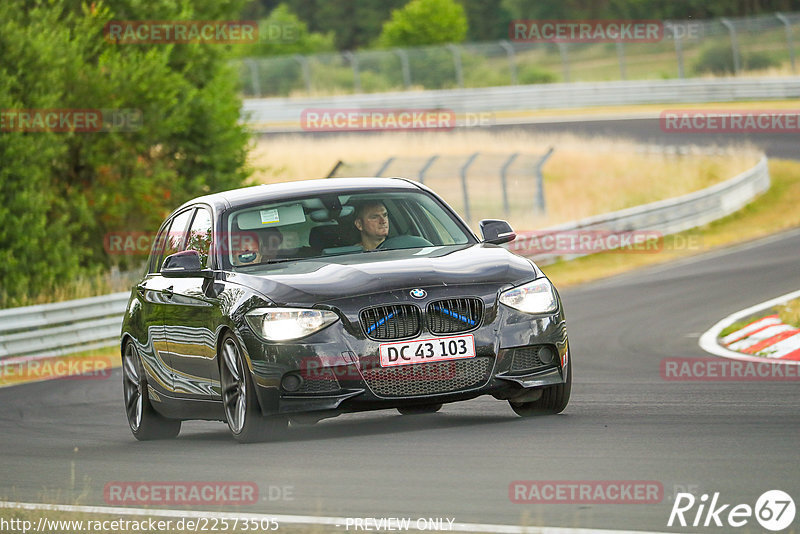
x,y
146,424
242,411
553,400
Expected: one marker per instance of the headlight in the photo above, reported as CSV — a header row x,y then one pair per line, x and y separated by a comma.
x,y
534,297
280,324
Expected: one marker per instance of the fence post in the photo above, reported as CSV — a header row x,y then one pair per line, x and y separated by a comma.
x,y
503,171
512,63
789,42
404,67
464,185
540,203
425,168
254,77
737,60
351,57
621,56
457,64
305,67
335,169
678,51
562,50
384,166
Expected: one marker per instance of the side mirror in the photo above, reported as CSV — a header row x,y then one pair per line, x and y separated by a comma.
x,y
496,231
185,264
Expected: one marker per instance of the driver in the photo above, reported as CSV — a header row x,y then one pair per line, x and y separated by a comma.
x,y
372,221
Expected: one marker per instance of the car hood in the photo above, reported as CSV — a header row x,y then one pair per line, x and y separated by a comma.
x,y
312,281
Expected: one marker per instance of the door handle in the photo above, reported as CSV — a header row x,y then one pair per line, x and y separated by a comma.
x,y
168,292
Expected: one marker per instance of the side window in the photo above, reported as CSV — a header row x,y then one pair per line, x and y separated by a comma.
x,y
174,237
200,235
158,248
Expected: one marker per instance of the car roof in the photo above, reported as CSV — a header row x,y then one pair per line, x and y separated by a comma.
x,y
247,195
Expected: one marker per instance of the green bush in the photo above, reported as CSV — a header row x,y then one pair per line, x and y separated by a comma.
x,y
717,58
64,191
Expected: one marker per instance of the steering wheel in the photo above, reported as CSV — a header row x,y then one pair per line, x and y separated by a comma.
x,y
404,241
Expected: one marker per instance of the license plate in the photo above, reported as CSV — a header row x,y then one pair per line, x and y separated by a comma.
x,y
427,350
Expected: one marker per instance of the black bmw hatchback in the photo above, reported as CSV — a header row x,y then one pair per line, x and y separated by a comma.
x,y
304,300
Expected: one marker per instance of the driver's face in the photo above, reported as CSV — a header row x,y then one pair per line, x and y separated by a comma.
x,y
375,222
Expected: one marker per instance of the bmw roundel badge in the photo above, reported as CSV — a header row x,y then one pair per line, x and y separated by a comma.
x,y
418,293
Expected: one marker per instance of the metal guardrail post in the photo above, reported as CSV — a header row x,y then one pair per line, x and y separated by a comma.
x,y
305,67
384,166
540,202
621,57
789,43
737,59
504,183
254,77
335,169
562,50
404,66
457,64
512,62
425,168
351,57
464,185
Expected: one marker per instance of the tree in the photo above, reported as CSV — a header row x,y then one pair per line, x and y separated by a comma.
x,y
64,191
425,22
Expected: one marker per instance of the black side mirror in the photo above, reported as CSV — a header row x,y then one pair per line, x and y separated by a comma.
x,y
496,231
185,264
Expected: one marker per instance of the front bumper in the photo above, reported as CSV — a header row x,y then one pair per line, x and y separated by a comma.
x,y
339,369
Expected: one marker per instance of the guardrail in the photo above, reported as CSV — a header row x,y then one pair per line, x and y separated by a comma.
x,y
664,217
284,114
63,327
66,327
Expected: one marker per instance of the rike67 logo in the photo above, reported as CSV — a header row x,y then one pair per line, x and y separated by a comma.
x,y
774,510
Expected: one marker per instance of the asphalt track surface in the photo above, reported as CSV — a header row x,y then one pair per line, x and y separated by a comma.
x,y
62,441
624,423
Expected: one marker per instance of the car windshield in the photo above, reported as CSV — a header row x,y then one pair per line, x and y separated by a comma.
x,y
329,225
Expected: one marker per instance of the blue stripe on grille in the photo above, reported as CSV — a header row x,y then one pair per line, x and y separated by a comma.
x,y
455,315
377,324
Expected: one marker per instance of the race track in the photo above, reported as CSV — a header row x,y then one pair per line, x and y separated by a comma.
x,y
624,423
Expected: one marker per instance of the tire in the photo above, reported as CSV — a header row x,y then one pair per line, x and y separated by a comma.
x,y
240,402
554,399
418,410
145,423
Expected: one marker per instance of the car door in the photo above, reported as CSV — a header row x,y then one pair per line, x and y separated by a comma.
x,y
154,294
191,317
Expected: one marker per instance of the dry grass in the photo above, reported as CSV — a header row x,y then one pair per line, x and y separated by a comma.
x,y
583,177
774,211
790,313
